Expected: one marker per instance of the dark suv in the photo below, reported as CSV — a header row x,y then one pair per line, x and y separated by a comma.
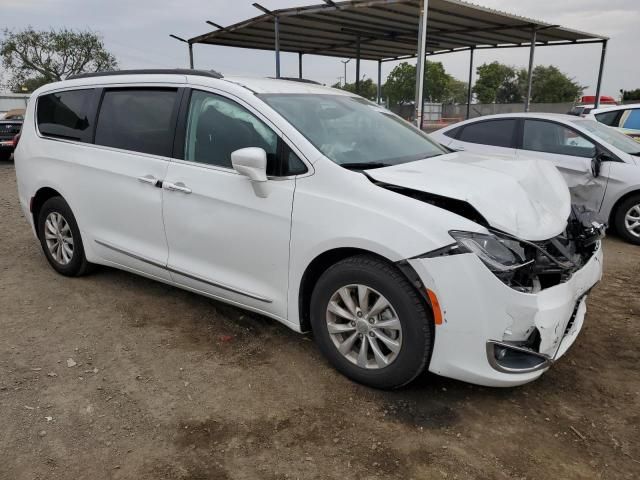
x,y
10,128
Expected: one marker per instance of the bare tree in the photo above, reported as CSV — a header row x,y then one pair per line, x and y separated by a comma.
x,y
32,58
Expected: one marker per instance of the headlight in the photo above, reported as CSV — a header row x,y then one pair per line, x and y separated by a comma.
x,y
492,250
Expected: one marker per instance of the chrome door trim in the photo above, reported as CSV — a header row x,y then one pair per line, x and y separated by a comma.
x,y
132,255
184,274
219,285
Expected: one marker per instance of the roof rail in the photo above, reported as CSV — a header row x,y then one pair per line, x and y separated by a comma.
x,y
296,79
150,71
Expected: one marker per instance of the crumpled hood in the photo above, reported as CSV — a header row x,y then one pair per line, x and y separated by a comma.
x,y
525,198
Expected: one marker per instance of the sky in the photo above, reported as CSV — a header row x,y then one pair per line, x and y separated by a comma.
x,y
137,33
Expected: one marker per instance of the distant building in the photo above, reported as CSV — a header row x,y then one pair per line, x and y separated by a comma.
x,y
11,101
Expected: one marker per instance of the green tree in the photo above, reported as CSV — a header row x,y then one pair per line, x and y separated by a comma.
x,y
498,83
368,89
457,91
628,95
439,86
550,85
32,58
400,86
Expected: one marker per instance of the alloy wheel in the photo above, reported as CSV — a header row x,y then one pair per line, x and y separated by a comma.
x,y
632,220
59,239
364,326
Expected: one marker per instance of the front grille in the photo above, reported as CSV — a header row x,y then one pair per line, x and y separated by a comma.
x,y
10,128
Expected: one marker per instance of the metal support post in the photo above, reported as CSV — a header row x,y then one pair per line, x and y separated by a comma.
x,y
532,51
357,64
379,90
602,59
276,23
469,91
420,67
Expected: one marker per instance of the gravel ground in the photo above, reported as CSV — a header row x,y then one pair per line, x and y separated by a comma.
x,y
113,376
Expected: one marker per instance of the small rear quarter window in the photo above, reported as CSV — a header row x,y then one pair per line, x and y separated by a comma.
x,y
453,133
65,114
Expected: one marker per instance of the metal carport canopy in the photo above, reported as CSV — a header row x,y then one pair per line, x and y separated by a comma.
x,y
387,30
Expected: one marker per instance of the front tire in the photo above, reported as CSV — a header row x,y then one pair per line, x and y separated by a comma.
x,y
627,219
371,323
60,238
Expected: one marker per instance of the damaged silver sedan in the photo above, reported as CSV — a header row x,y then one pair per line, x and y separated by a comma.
x,y
600,165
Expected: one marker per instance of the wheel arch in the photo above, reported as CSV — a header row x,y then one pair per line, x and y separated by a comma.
x,y
38,200
616,205
328,258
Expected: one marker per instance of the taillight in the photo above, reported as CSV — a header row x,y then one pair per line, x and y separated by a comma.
x,y
16,139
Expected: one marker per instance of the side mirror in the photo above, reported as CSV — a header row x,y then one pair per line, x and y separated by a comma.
x,y
252,163
596,164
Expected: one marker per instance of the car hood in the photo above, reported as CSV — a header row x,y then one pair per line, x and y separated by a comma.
x,y
525,198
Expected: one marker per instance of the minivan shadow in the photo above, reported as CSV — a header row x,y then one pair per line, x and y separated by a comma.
x,y
430,401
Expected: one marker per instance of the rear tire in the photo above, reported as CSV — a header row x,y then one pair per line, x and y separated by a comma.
x,y
627,219
393,356
60,238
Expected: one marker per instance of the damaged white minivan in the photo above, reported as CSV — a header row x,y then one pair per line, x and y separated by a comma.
x,y
319,209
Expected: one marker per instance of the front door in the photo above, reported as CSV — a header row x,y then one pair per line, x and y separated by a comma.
x,y
224,240
572,153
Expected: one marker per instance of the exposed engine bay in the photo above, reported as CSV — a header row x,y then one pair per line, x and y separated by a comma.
x,y
534,265
549,263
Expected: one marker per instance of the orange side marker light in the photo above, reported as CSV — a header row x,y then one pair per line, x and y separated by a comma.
x,y
437,311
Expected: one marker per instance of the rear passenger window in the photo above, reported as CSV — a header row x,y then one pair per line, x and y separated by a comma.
x,y
65,115
140,120
610,119
498,133
453,133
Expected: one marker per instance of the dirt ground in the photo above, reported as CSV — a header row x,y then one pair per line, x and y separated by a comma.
x,y
113,376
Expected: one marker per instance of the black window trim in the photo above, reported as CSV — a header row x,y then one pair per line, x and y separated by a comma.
x,y
514,137
283,147
91,114
600,149
619,114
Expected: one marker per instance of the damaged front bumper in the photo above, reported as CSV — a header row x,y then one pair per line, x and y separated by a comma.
x,y
494,334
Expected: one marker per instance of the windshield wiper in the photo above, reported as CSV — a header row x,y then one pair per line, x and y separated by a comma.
x,y
363,165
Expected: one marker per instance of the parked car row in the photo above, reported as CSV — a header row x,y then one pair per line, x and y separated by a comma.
x,y
325,212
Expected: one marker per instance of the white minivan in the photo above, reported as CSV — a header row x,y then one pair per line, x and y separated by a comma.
x,y
317,208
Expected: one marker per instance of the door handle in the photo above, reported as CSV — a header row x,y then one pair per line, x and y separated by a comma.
x,y
457,148
150,179
176,187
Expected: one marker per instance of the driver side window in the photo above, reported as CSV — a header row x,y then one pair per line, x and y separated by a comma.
x,y
217,126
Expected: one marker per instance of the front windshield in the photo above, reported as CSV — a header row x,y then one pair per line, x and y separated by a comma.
x,y
610,135
352,131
